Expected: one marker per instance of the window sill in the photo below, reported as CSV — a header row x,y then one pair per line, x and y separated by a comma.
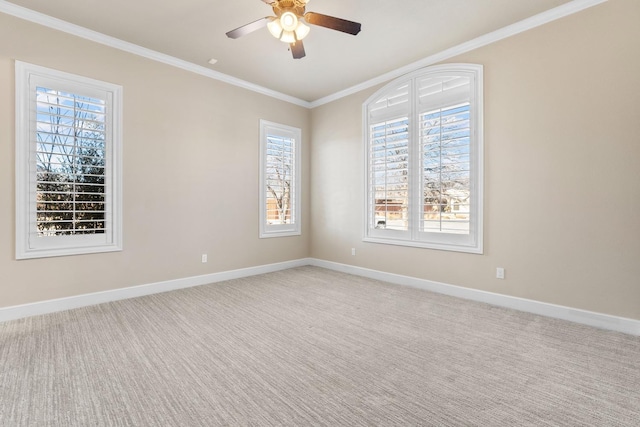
x,y
426,245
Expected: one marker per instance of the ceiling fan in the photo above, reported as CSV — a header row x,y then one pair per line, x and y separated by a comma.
x,y
289,24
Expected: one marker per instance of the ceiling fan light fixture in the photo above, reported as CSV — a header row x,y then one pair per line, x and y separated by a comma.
x,y
289,21
275,28
290,24
288,37
302,30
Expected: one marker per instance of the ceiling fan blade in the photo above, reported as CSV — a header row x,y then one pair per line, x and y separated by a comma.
x,y
249,28
297,49
269,1
338,24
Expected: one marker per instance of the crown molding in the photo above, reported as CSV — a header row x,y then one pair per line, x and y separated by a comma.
x,y
492,37
550,15
94,36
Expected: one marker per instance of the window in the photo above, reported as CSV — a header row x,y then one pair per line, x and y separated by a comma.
x,y
279,180
68,166
424,160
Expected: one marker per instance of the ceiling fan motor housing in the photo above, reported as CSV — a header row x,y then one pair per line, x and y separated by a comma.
x,y
295,6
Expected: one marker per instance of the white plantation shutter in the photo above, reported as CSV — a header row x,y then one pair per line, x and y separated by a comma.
x,y
445,145
279,180
446,173
389,174
388,162
68,164
424,160
394,103
280,165
441,90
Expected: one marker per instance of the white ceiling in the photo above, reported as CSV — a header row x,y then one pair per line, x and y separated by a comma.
x,y
394,34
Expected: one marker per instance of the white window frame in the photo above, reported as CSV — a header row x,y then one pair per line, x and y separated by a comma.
x,y
28,243
407,105
267,230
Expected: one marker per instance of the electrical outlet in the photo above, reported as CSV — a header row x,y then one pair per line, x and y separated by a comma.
x,y
499,273
204,258
353,251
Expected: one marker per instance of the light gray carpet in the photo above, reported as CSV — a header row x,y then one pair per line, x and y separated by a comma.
x,y
308,346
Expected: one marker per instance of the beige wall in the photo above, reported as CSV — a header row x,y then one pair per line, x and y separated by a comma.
x,y
562,170
190,172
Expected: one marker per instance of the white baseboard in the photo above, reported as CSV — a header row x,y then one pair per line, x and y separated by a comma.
x,y
598,320
590,318
61,304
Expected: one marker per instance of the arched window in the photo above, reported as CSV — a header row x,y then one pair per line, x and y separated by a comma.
x,y
423,136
